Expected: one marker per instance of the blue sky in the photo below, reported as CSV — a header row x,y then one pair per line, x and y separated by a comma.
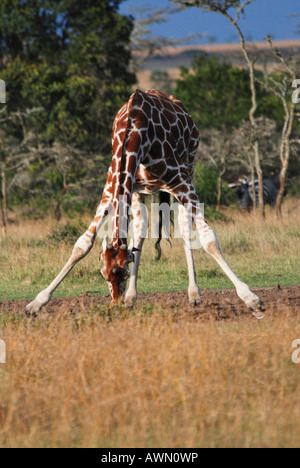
x,y
262,18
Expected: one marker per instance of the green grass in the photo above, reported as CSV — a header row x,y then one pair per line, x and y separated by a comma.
x,y
262,254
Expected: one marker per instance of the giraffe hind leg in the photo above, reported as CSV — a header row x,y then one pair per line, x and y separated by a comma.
x,y
140,226
185,227
210,243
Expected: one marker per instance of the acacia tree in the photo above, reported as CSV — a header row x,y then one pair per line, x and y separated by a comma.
x,y
281,88
241,155
224,7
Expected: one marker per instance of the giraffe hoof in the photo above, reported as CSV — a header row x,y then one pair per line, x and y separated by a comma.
x,y
256,305
129,302
195,299
32,309
259,311
258,315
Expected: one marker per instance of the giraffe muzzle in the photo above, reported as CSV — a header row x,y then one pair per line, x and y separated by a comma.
x,y
122,273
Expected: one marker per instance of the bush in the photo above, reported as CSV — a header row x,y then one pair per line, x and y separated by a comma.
x,y
206,185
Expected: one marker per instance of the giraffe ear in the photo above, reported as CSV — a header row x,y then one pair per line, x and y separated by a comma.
x,y
106,245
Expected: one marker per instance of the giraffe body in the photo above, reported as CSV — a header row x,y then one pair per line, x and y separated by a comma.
x,y
154,145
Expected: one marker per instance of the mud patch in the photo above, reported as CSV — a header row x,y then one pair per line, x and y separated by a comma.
x,y
217,304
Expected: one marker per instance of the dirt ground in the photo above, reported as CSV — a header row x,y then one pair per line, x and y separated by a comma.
x,y
217,304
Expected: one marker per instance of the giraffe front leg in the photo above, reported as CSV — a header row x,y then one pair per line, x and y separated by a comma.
x,y
211,245
185,226
140,226
80,250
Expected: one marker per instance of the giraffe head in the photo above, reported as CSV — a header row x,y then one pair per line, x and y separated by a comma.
x,y
115,270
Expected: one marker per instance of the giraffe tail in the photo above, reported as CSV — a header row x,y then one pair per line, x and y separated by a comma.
x,y
163,198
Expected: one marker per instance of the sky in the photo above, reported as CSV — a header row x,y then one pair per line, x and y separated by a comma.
x,y
262,17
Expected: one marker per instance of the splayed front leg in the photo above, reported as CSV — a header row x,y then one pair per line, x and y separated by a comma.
x,y
81,249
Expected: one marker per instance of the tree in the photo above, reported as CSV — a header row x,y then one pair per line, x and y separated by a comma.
x,y
224,7
28,30
282,88
10,157
217,94
73,61
241,158
215,149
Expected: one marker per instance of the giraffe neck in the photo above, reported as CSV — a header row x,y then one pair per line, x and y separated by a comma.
x,y
125,164
121,205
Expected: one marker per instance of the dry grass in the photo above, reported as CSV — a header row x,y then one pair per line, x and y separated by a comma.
x,y
153,378
149,380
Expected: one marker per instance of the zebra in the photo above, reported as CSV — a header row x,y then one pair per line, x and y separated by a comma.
x,y
244,191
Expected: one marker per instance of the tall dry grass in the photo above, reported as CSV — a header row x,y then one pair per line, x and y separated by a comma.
x,y
123,380
152,377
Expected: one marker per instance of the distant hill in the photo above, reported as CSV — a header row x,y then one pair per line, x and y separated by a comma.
x,y
172,58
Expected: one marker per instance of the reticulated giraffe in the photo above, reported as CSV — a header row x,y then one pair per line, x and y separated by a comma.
x,y
154,145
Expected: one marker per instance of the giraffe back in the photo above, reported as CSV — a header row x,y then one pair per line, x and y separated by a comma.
x,y
158,130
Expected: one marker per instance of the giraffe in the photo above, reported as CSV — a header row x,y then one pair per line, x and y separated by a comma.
x,y
154,143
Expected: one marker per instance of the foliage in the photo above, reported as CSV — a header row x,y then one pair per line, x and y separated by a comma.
x,y
206,181
67,73
218,95
72,61
48,175
213,5
67,233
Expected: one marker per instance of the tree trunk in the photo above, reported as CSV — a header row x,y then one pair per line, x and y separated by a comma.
x,y
283,174
3,202
285,156
220,180
281,192
261,202
57,211
252,170
252,112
